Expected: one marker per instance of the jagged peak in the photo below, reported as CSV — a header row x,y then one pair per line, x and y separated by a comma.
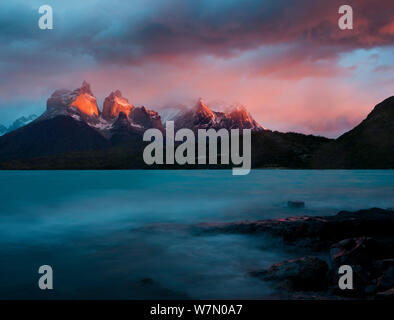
x,y
85,88
114,104
80,101
85,102
202,108
239,111
148,112
117,93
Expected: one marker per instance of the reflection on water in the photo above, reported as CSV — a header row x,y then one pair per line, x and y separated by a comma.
x,y
90,226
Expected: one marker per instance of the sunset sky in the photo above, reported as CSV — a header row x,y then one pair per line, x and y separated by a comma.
x,y
286,61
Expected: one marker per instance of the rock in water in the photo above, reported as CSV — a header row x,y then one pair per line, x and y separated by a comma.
x,y
317,232
296,204
306,273
386,281
386,295
357,251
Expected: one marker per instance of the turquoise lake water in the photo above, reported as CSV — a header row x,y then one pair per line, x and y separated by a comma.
x,y
119,234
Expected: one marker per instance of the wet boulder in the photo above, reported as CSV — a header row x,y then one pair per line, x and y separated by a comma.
x,y
386,281
306,273
386,295
356,251
381,266
316,232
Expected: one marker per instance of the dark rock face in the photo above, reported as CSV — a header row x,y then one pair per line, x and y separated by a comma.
x,y
306,273
124,130
146,118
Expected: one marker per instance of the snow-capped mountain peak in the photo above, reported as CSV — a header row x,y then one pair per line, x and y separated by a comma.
x,y
202,110
79,103
201,116
20,122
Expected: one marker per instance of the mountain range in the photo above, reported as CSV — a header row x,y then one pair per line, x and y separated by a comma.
x,y
20,122
74,134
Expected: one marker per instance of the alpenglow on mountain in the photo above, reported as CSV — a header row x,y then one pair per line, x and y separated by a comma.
x,y
202,117
81,105
73,133
73,122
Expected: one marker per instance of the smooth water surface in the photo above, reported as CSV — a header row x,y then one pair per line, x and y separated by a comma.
x,y
121,234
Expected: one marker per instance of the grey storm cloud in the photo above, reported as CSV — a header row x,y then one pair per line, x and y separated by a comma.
x,y
150,38
135,31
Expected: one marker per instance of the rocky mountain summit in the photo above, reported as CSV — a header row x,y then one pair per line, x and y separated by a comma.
x,y
73,122
114,104
79,104
203,117
74,133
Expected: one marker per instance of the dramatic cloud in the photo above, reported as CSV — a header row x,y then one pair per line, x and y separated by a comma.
x,y
288,62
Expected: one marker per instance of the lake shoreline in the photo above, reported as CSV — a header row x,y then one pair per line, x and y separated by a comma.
x,y
363,239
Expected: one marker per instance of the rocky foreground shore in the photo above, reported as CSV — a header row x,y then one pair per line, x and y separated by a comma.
x,y
363,240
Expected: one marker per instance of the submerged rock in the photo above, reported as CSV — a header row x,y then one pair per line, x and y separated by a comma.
x,y
315,232
386,281
306,273
363,239
386,295
383,265
147,281
296,204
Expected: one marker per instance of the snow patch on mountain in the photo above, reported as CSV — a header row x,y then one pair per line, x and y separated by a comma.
x,y
121,117
18,123
201,116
